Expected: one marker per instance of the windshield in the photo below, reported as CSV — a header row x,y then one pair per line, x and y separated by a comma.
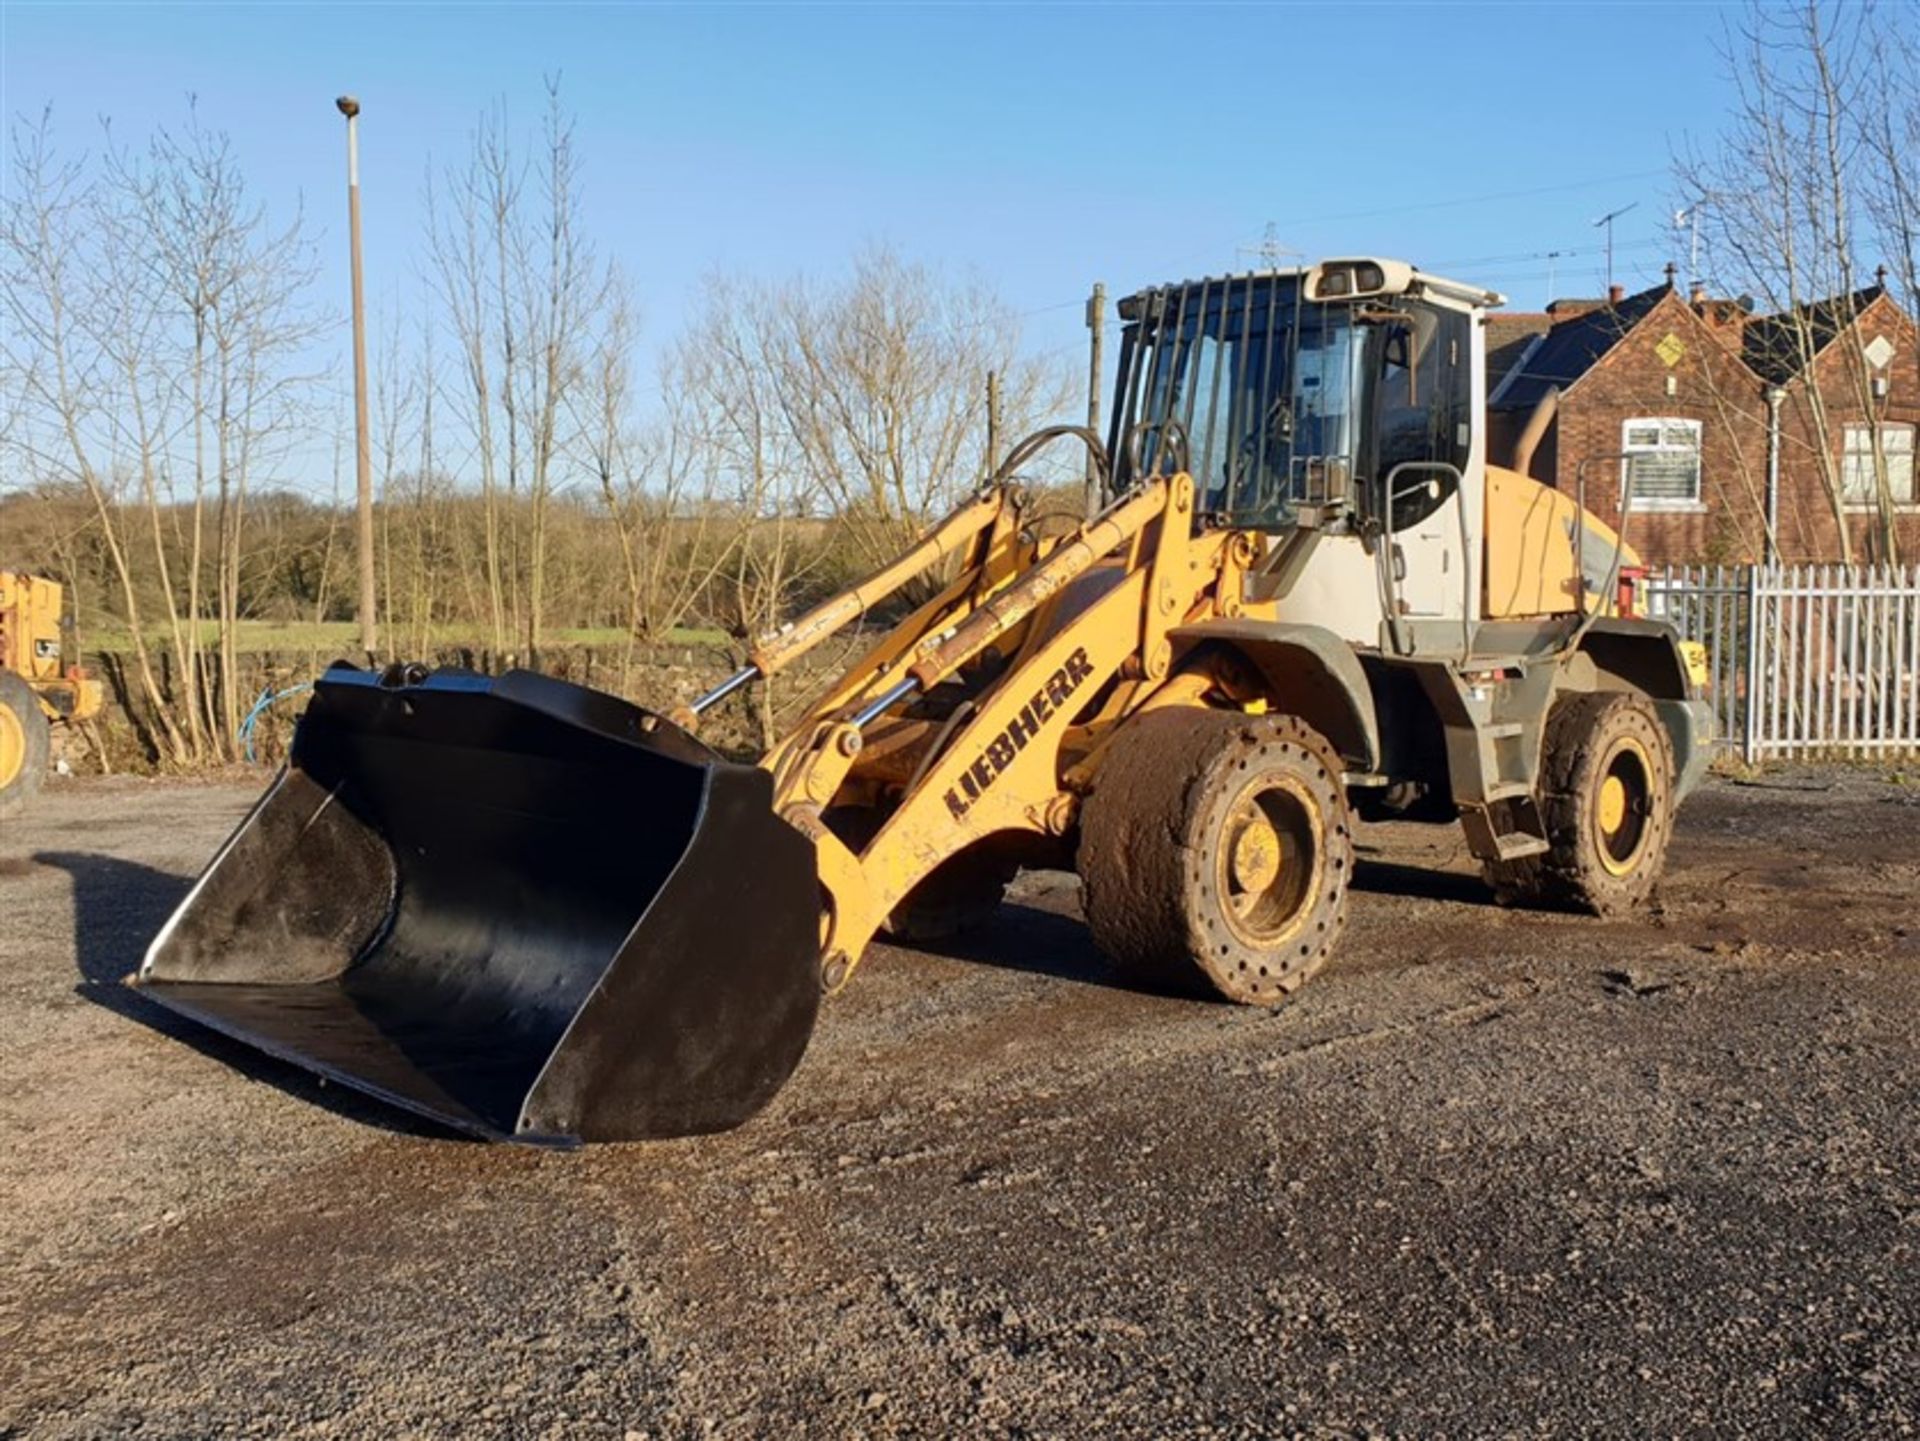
x,y
1267,389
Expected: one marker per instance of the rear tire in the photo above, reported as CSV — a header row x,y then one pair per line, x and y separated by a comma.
x,y
1215,853
24,744
1606,795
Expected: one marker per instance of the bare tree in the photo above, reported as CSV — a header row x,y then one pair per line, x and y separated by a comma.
x,y
1892,138
561,286
460,242
522,287
730,419
225,288
396,386
656,485
880,380
1788,196
68,428
157,314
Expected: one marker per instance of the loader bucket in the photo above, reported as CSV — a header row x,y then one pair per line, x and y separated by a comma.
x,y
520,907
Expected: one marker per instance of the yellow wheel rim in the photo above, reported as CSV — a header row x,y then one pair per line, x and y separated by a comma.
x,y
1270,861
13,746
1256,856
1623,808
1613,803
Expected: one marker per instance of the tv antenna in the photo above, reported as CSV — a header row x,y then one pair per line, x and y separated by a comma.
x,y
1607,220
1687,221
1553,258
1270,250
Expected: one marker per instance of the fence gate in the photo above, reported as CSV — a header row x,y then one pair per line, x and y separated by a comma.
x,y
1711,604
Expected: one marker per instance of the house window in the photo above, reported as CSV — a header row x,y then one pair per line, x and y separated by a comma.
x,y
1663,457
1857,483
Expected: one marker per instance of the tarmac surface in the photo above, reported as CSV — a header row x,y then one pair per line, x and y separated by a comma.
x,y
1491,1173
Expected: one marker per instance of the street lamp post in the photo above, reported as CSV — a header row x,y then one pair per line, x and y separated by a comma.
x,y
363,441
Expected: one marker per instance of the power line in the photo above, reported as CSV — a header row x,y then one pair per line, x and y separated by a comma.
x,y
1269,248
1561,253
1479,199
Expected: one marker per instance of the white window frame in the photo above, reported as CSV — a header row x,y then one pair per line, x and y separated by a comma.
x,y
1629,449
1856,458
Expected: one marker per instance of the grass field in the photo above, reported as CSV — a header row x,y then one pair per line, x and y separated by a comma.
x,y
257,637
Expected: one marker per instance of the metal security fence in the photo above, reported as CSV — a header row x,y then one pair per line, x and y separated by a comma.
x,y
1805,661
1835,668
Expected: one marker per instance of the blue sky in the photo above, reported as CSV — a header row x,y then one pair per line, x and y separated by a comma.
x,y
1041,146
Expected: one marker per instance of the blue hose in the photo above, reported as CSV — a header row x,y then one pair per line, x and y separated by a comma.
x,y
268,698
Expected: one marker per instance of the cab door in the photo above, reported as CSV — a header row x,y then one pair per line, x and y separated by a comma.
x,y
1423,457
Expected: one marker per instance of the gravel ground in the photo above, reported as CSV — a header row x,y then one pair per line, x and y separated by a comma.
x,y
1492,1173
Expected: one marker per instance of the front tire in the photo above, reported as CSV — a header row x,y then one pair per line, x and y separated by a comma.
x,y
1215,853
24,744
1606,794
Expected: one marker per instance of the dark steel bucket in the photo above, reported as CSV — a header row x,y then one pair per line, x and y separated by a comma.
x,y
521,907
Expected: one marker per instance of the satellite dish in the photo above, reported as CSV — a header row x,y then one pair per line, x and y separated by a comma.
x,y
1746,304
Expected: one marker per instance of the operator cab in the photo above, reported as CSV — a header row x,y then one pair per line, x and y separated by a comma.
x,y
1291,396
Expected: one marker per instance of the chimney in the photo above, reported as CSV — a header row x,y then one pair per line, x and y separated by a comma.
x,y
1569,309
1698,297
1616,294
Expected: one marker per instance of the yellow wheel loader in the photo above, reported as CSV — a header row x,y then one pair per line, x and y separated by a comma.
x,y
533,911
36,693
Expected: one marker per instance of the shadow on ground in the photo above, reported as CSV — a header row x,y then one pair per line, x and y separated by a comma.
x,y
1041,942
1389,878
118,907
1046,942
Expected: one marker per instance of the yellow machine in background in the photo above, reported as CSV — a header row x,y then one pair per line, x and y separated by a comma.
x,y
35,691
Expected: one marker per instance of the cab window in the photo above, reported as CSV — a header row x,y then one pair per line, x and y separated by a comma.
x,y
1422,407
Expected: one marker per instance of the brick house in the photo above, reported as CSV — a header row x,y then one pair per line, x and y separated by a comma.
x,y
1725,416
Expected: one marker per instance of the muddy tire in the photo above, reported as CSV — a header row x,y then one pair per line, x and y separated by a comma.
x,y
1606,795
1215,853
960,896
24,744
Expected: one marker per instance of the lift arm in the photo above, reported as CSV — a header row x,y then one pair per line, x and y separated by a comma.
x,y
995,766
